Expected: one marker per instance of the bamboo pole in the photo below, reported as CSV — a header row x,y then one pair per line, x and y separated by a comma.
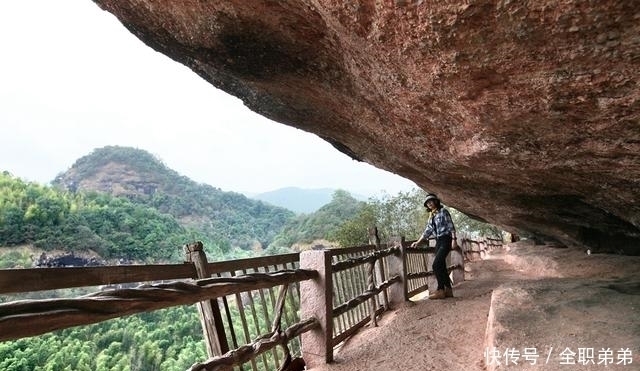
x,y
359,287
380,270
340,292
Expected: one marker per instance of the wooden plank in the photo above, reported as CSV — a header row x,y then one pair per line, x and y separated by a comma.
x,y
292,304
353,279
209,310
38,279
351,250
256,322
34,317
381,277
339,293
417,290
240,264
362,286
227,311
371,286
361,260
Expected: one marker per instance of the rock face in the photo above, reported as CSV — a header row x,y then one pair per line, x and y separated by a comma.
x,y
525,115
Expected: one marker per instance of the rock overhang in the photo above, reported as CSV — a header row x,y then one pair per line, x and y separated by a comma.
x,y
523,114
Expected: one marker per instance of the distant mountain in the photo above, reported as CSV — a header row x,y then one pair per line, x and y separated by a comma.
x,y
224,217
299,200
321,224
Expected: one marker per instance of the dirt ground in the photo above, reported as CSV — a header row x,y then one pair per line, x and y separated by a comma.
x,y
544,298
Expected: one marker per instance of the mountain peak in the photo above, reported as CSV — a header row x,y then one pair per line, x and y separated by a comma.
x,y
120,171
139,176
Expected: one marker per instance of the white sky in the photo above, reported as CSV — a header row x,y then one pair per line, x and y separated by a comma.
x,y
73,79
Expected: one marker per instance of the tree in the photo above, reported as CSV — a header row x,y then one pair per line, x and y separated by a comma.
x,y
353,232
321,224
402,215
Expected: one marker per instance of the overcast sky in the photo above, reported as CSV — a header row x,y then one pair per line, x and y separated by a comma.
x,y
73,79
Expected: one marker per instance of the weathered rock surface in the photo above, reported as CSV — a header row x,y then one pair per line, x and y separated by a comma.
x,y
569,300
579,312
522,114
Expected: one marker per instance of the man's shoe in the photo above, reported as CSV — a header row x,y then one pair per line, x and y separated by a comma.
x,y
438,294
448,292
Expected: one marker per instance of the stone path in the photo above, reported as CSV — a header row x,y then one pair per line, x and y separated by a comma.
x,y
451,334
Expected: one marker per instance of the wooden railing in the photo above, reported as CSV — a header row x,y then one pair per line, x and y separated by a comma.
x,y
418,261
357,284
237,286
359,288
323,297
477,249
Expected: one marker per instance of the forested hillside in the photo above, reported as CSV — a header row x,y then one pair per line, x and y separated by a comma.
x,y
122,203
224,219
166,340
112,227
321,224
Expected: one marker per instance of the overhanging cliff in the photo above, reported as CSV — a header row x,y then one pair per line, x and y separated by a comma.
x,y
523,114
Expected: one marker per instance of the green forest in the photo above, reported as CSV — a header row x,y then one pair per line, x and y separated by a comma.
x,y
112,227
148,222
169,339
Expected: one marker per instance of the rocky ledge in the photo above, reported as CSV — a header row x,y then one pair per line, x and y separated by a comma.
x,y
523,114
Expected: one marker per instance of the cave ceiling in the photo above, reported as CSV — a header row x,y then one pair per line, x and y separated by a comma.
x,y
523,114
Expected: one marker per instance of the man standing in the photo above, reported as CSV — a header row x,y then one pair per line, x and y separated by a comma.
x,y
441,226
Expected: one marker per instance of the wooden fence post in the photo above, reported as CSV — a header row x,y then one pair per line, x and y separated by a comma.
x,y
475,250
457,259
316,300
398,266
209,310
380,276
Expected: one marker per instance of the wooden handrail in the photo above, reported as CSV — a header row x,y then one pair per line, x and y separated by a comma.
x,y
353,262
342,308
263,261
34,317
38,279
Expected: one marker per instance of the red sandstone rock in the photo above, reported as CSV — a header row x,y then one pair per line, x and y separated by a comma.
x,y
523,114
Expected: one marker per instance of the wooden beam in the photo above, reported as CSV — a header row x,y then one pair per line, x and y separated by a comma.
x,y
38,279
212,326
34,317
